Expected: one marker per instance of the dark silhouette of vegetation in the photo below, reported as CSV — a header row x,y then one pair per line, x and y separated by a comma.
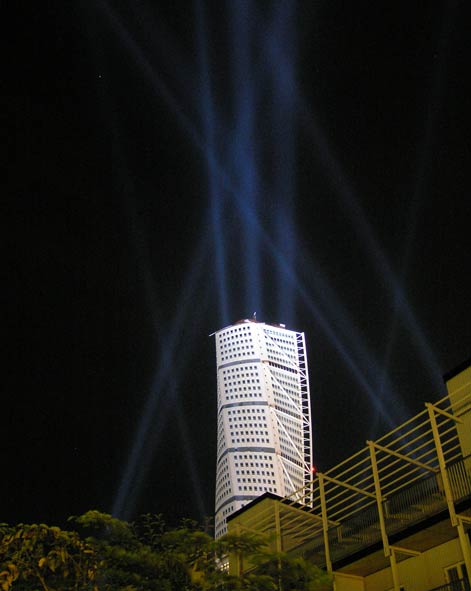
x,y
103,553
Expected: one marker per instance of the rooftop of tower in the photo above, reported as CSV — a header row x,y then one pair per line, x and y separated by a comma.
x,y
254,319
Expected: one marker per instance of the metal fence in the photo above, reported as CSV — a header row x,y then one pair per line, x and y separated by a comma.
x,y
396,481
412,473
461,585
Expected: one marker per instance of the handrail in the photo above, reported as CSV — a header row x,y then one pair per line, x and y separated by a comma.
x,y
460,585
412,462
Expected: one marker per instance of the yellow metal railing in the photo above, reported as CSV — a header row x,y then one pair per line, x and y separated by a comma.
x,y
411,473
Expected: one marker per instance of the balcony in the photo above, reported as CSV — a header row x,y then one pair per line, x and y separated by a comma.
x,y
402,510
401,489
461,585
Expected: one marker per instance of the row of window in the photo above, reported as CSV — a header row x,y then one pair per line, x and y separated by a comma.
x,y
244,389
289,385
245,411
250,427
235,337
249,420
288,452
244,395
223,493
257,488
257,473
251,379
240,371
235,343
282,351
252,457
233,347
283,366
286,408
294,433
234,355
287,404
281,337
228,510
253,464
250,440
247,431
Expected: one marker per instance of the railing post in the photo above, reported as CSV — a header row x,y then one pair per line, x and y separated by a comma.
x,y
394,571
442,464
379,498
325,523
279,543
238,556
392,558
465,544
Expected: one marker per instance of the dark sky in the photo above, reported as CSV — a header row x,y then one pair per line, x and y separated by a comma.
x,y
353,117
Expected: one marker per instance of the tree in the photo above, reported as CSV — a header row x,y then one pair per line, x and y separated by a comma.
x,y
143,556
48,556
294,573
126,562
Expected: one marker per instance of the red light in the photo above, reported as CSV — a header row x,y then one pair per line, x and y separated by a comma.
x,y
313,469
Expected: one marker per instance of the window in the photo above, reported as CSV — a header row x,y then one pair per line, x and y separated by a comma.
x,y
456,575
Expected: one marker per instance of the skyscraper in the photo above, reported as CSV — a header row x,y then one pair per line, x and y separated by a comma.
x,y
264,420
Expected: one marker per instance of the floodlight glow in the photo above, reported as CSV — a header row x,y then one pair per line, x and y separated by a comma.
x,y
241,156
162,392
264,210
372,247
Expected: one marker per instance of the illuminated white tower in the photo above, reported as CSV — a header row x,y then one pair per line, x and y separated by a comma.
x,y
264,419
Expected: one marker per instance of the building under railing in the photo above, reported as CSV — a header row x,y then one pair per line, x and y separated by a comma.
x,y
414,473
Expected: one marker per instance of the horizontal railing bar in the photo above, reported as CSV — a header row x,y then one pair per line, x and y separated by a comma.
x,y
386,486
417,431
354,503
402,457
402,488
408,422
349,459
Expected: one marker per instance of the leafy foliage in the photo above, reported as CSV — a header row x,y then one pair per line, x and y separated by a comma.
x,y
125,562
111,555
296,573
32,555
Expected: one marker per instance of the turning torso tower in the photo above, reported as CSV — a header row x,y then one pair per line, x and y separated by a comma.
x,y
264,420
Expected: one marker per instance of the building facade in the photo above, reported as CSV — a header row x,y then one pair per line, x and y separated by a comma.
x,y
264,439
394,516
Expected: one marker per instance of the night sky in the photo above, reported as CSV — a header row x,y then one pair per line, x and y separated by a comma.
x,y
176,166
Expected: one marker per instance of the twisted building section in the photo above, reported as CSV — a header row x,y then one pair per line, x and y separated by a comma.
x,y
264,418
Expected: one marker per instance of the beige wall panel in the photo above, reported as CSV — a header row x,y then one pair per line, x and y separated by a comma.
x,y
348,583
419,573
459,390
